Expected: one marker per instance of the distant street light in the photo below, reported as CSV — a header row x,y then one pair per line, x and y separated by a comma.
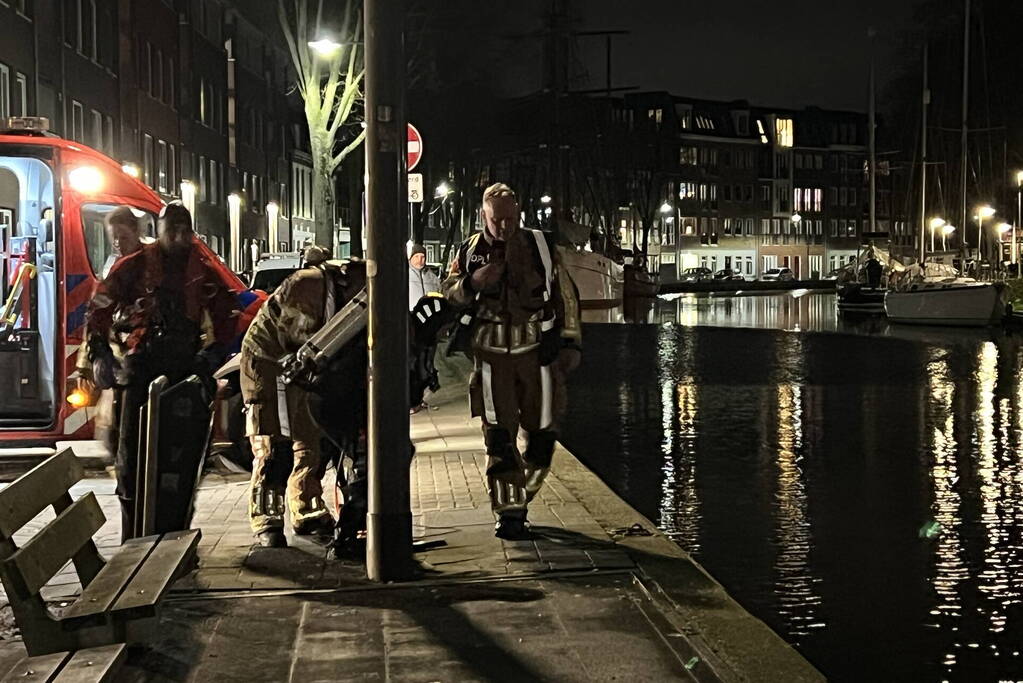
x,y
546,199
935,223
443,190
131,169
325,47
667,208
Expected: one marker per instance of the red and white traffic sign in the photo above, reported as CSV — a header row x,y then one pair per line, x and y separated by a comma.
x,y
415,147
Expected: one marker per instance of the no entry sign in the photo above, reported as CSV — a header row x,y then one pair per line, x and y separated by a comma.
x,y
415,147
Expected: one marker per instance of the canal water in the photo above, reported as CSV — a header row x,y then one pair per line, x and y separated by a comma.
x,y
857,486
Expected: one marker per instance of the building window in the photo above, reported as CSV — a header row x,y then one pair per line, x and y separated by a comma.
x,y
71,23
202,179
148,174
852,196
687,156
156,77
110,145
172,169
161,165
87,28
655,115
96,130
77,121
215,183
784,133
168,84
843,196
5,91
21,94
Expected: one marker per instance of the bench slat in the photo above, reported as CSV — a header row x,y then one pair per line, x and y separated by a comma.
x,y
39,487
95,665
161,567
41,668
50,549
108,585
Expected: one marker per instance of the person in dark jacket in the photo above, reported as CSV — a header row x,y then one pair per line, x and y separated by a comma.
x,y
170,313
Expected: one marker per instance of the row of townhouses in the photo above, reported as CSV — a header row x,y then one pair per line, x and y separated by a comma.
x,y
190,94
732,185
752,189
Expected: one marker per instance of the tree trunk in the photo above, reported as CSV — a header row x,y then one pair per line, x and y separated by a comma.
x,y
323,193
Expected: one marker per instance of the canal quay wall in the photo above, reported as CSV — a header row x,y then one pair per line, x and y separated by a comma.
x,y
598,593
736,286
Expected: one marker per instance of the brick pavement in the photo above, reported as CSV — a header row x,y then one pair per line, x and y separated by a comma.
x,y
571,604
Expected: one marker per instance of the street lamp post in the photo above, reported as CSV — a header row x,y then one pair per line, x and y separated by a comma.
x,y
1002,229
389,522
1019,213
982,213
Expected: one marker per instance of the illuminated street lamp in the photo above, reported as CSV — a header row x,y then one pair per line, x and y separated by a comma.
x,y
946,232
666,208
982,213
443,190
325,47
546,199
935,223
131,169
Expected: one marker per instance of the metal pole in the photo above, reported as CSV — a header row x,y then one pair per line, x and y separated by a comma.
x,y
1019,219
923,162
872,137
963,151
389,524
145,523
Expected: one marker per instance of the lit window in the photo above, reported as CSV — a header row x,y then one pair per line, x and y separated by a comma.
x,y
784,132
5,91
21,106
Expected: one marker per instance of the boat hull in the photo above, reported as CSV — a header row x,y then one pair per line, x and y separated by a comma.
x,y
973,304
600,280
855,298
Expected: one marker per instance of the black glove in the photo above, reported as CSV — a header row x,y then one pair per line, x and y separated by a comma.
x,y
104,365
550,346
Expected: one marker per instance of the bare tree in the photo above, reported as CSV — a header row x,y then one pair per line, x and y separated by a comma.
x,y
331,87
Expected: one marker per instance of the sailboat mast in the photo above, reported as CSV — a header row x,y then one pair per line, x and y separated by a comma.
x,y
964,151
926,100
872,137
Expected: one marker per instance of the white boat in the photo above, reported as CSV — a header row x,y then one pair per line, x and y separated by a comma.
x,y
600,280
947,302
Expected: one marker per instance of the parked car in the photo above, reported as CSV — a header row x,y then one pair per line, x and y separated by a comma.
x,y
696,275
728,274
273,269
778,275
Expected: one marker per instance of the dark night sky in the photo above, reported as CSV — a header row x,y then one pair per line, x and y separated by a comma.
x,y
781,53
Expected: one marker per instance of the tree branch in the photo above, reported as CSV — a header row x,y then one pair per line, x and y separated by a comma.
x,y
282,17
352,146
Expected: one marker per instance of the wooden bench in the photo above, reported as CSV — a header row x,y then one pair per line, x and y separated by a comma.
x,y
119,597
94,665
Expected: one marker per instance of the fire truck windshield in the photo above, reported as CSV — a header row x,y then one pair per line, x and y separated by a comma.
x,y
28,280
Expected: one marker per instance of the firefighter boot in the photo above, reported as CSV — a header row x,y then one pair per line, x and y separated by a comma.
x,y
266,500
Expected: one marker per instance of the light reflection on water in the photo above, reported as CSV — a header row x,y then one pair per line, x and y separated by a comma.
x,y
799,469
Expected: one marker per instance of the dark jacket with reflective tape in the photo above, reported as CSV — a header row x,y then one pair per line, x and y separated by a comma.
x,y
534,296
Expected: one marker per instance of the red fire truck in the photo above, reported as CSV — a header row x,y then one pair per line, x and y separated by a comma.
x,y
54,194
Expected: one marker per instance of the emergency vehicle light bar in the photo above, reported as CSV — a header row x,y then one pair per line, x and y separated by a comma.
x,y
27,124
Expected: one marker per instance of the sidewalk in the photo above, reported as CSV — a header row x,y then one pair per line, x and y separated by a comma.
x,y
576,603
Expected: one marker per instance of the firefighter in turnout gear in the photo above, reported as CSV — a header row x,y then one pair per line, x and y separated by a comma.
x,y
168,312
522,312
279,414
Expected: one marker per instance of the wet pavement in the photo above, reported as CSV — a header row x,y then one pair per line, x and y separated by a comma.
x,y
861,492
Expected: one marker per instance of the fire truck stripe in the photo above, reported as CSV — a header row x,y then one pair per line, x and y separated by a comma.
x,y
76,319
76,420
